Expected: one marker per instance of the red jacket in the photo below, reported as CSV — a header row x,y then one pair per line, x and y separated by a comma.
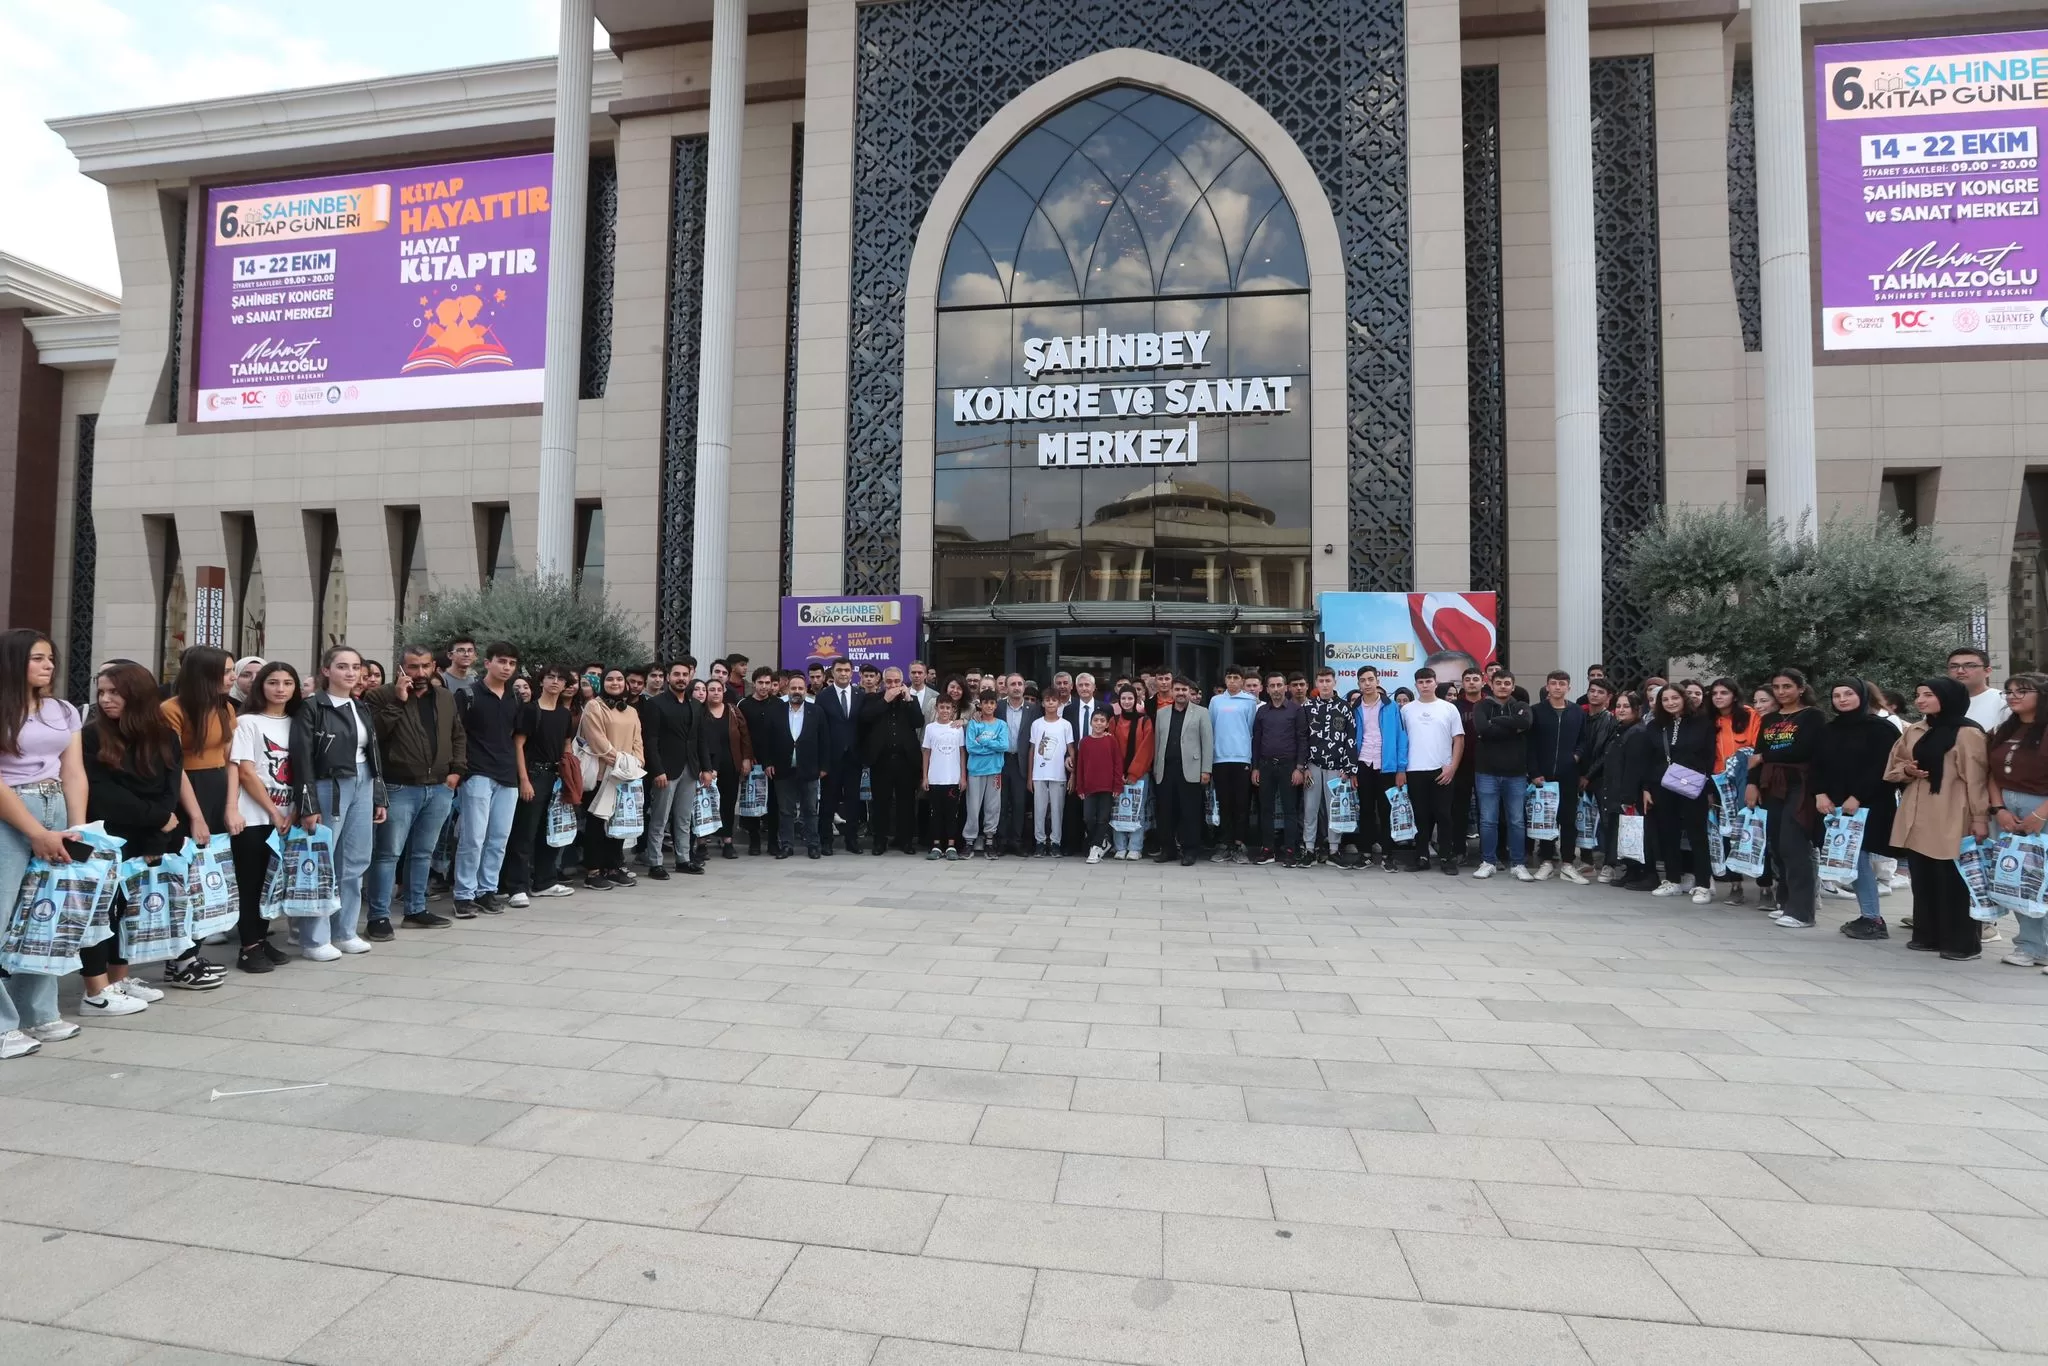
x,y
1098,767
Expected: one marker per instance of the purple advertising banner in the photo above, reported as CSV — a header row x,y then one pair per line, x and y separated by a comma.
x,y
383,291
878,631
1930,191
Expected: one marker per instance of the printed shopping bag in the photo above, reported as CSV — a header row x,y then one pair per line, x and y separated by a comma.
x,y
2017,881
1717,849
211,895
153,929
867,785
1977,863
1343,806
629,811
1214,815
754,793
300,881
706,820
1840,842
1746,842
1628,836
561,818
61,906
1588,831
1729,782
1129,815
1541,807
1400,815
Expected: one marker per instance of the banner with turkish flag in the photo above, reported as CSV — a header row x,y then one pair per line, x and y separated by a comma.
x,y
1398,633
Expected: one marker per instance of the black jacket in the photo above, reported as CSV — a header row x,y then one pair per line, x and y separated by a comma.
x,y
669,727
1692,746
1280,734
133,807
805,759
1849,758
841,726
1619,776
895,728
1601,731
1557,737
1502,729
324,748
422,740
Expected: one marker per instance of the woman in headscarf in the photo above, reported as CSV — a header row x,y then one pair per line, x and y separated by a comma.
x,y
1849,759
246,669
1941,759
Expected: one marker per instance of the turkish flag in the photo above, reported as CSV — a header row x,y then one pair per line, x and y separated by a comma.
x,y
1463,622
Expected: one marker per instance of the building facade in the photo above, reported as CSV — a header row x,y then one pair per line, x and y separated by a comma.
x,y
1115,333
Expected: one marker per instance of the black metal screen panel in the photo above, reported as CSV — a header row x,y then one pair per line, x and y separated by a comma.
x,y
173,404
1630,303
1745,256
85,554
600,260
679,396
1331,72
796,260
1485,341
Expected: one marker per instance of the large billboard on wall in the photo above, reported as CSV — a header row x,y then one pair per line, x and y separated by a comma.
x,y
1398,633
877,631
378,292
1930,191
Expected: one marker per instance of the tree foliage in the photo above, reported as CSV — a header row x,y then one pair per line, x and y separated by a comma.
x,y
1870,601
550,620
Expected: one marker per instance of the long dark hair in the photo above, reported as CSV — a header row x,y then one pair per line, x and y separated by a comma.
x,y
1686,710
256,704
141,739
1798,680
2010,726
18,701
1739,713
202,695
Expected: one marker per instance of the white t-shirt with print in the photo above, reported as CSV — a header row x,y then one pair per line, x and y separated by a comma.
x,y
264,741
1050,741
946,743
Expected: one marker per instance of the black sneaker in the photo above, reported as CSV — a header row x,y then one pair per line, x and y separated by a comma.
x,y
252,960
1863,928
427,920
1322,856
189,975
379,931
619,877
272,952
494,903
596,882
728,851
465,910
1263,857
692,869
1448,866
659,872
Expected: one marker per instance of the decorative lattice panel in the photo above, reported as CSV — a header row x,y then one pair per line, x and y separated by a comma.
x,y
1485,340
85,553
600,260
679,396
1631,341
796,261
932,73
1745,257
173,403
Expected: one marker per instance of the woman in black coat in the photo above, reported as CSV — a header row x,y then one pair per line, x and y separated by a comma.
x,y
1849,760
1616,775
1680,736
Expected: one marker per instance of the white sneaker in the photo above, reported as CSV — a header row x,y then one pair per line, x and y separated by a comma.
x,y
1666,889
352,945
1607,874
1571,875
1702,897
322,953
1792,922
1484,870
2020,958
54,1031
559,889
1987,932
1522,874
518,901
1095,856
136,989
111,1002
15,1044
1543,871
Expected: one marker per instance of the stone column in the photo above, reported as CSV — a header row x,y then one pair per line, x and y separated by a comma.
x,y
555,536
1574,337
1789,480
719,327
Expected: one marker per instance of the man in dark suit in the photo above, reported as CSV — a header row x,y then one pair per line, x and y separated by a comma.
x,y
838,715
892,741
755,709
791,743
1078,713
1018,714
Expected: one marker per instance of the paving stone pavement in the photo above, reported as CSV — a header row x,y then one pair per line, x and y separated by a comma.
x,y
880,1112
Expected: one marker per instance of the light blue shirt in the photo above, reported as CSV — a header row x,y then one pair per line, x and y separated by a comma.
x,y
1230,717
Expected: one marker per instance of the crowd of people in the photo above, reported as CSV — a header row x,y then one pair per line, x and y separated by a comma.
x,y
490,781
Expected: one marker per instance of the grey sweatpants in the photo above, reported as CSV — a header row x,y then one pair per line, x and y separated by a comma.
x,y
984,811
1048,807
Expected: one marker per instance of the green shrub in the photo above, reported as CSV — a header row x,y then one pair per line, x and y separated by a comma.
x,y
548,619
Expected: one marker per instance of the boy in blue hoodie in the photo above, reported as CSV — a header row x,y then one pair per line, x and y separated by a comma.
x,y
988,744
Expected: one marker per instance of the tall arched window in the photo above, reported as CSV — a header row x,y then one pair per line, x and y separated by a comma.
x,y
1126,212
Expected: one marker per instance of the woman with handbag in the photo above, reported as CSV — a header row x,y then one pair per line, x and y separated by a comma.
x,y
610,727
262,758
1848,776
135,778
1675,795
540,743
1617,776
1782,781
1735,728
1941,759
725,755
338,782
42,794
203,714
2018,766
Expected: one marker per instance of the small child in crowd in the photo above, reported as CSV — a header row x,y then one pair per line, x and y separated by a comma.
x,y
944,774
1052,764
1098,778
988,744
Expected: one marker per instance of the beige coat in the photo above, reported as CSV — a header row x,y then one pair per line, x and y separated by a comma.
x,y
1934,823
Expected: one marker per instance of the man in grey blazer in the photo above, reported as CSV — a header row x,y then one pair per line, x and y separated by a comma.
x,y
1183,752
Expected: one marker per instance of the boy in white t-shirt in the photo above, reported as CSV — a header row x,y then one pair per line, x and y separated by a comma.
x,y
1052,764
944,773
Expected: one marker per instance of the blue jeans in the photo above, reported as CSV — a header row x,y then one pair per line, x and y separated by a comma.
x,y
1866,886
346,806
28,998
411,829
1498,790
486,816
2032,935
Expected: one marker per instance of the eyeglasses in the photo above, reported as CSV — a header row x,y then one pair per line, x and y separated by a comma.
x,y
2015,689
1964,667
